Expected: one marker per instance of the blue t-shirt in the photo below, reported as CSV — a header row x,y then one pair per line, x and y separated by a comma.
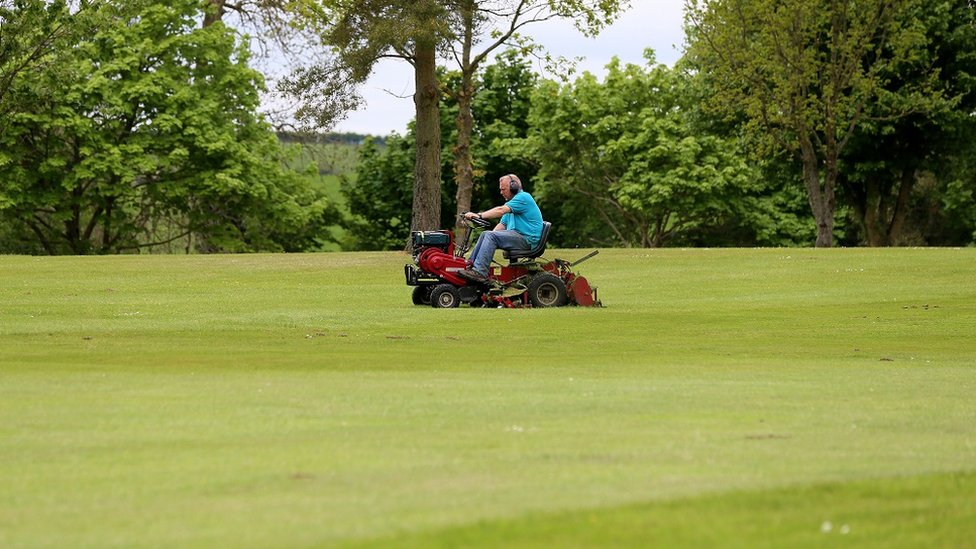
x,y
525,218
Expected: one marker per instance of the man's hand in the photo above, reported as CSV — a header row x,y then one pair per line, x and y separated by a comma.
x,y
471,215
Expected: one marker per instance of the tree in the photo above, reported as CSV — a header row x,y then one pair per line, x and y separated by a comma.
x,y
495,23
957,203
281,37
28,33
416,30
622,163
143,130
887,159
807,74
364,32
500,114
379,198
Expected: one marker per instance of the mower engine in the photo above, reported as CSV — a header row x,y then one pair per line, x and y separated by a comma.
x,y
527,281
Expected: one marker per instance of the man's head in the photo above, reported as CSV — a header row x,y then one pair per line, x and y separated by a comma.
x,y
509,185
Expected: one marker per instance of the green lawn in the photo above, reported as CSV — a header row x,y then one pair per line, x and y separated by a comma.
x,y
722,397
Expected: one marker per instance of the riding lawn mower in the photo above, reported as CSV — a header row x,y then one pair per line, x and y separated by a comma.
x,y
528,280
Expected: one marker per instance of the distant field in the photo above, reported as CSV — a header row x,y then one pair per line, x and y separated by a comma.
x,y
329,158
748,398
330,161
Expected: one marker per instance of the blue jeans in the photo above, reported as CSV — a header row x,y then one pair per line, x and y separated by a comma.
x,y
489,241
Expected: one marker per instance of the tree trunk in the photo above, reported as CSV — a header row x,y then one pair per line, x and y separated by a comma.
x,y
901,206
42,238
463,170
107,239
427,169
215,12
874,234
881,220
72,225
820,196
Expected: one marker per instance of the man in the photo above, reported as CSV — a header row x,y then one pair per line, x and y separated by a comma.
x,y
520,227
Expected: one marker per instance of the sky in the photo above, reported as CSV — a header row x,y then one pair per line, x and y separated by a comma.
x,y
655,24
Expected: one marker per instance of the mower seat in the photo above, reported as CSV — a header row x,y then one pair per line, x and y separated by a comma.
x,y
514,255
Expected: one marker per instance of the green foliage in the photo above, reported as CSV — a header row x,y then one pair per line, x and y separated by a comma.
x,y
142,129
807,74
356,35
500,112
924,150
380,196
29,32
955,200
621,162
359,34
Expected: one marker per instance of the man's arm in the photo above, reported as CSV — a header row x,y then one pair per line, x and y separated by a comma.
x,y
494,213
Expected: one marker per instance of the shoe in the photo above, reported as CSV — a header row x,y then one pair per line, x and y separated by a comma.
x,y
473,275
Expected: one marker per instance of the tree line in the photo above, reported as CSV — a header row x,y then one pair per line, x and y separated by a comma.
x,y
783,124
127,126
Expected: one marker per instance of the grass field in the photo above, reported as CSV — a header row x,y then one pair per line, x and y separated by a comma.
x,y
745,398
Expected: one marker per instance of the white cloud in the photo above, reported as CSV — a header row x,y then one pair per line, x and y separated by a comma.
x,y
655,24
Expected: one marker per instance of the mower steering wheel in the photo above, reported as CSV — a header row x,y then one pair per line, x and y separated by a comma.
x,y
476,222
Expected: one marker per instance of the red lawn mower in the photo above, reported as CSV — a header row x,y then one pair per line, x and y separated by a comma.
x,y
527,281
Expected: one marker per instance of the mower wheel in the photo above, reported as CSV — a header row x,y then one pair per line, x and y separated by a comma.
x,y
421,295
445,296
547,290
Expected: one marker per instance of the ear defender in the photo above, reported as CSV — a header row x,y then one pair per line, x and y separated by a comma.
x,y
514,185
